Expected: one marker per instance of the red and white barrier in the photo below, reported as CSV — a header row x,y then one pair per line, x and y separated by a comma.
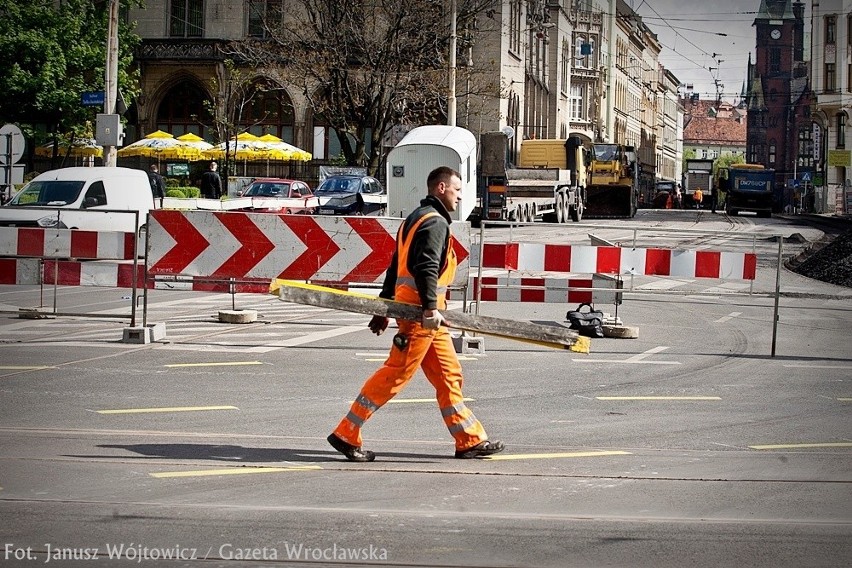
x,y
583,259
222,245
548,290
20,271
65,243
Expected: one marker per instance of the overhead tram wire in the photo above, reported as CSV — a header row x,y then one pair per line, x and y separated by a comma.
x,y
709,69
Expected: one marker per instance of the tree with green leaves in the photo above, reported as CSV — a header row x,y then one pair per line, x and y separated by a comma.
x,y
725,161
366,67
51,52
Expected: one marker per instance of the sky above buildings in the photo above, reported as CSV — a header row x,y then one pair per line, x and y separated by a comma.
x,y
706,43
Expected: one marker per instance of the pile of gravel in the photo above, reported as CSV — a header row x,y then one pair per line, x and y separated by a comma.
x,y
827,262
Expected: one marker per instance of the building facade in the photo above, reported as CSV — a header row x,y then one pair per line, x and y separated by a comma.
x,y
713,129
566,67
779,132
831,45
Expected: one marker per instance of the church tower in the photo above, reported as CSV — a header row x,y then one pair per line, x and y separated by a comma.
x,y
779,97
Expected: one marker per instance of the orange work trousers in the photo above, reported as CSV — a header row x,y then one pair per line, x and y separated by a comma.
x,y
433,351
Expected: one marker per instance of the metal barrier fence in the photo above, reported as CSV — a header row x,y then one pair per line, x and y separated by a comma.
x,y
242,252
616,259
36,255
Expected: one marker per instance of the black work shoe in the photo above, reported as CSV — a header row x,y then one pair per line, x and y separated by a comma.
x,y
480,450
352,453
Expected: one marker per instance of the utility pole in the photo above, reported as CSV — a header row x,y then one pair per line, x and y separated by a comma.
x,y
610,70
451,98
111,76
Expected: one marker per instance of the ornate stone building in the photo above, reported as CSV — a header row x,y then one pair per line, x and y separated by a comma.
x,y
565,67
779,133
831,37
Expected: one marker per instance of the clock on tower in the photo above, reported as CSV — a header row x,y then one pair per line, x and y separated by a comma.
x,y
775,34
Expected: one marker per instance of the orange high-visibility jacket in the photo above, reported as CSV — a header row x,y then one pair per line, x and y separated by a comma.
x,y
406,287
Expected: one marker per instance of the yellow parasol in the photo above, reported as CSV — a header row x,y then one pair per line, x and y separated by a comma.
x,y
80,148
281,150
245,147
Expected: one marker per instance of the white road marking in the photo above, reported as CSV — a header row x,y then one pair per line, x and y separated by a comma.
x,y
728,317
639,358
663,284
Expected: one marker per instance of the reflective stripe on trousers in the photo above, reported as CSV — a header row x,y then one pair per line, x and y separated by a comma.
x,y
433,351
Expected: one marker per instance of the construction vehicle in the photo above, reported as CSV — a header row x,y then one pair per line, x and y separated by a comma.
x,y
747,187
699,175
422,150
664,194
613,185
548,185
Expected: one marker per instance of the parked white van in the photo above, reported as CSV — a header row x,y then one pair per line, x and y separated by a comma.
x,y
82,198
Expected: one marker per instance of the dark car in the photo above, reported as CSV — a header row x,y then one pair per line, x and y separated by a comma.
x,y
276,195
351,195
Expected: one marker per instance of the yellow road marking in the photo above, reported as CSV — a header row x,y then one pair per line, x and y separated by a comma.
x,y
23,368
165,409
658,398
231,471
792,446
222,364
559,455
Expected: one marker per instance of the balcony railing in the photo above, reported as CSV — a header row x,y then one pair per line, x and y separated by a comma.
x,y
180,49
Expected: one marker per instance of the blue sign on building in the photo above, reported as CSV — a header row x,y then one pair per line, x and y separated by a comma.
x,y
93,98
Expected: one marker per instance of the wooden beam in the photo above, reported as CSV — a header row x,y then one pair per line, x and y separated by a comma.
x,y
314,295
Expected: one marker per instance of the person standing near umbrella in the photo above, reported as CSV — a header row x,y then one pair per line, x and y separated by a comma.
x,y
211,183
158,184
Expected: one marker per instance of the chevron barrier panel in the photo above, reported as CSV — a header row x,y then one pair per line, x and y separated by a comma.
x,y
215,245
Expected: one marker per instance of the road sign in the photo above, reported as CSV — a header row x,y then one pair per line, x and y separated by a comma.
x,y
93,98
12,144
806,177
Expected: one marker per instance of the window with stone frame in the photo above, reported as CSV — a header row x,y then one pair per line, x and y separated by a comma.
x,y
269,112
578,112
841,130
774,61
772,152
186,18
515,26
264,17
805,156
183,110
830,78
830,29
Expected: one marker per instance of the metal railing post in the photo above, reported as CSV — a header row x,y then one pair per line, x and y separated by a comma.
x,y
134,283
777,293
145,272
479,268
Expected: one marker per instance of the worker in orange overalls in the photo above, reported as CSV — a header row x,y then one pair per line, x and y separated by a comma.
x,y
421,269
697,198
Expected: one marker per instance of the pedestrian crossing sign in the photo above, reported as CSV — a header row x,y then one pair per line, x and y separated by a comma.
x,y
806,177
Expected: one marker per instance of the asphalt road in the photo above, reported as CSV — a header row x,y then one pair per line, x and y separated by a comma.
x,y
690,445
